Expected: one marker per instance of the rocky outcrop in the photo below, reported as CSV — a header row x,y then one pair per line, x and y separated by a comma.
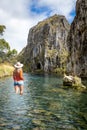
x,y
73,82
77,41
46,44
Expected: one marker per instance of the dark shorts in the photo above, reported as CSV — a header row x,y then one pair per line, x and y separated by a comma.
x,y
19,83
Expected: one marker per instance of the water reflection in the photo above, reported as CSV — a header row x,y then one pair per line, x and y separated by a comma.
x,y
45,105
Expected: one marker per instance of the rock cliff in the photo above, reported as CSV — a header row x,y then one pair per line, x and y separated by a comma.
x,y
51,42
77,41
46,44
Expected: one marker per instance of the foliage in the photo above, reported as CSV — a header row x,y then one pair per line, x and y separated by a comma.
x,y
51,53
5,70
5,53
4,46
12,53
2,28
47,21
59,71
63,55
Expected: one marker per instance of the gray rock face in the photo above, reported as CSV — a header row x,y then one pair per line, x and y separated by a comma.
x,y
46,44
77,41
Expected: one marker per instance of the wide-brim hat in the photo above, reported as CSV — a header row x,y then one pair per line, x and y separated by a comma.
x,y
18,65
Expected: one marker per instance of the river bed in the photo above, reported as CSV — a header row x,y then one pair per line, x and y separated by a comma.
x,y
45,105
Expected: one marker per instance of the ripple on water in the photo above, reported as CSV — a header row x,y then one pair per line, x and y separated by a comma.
x,y
45,105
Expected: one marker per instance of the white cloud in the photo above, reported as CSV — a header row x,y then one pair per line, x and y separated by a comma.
x,y
63,7
18,18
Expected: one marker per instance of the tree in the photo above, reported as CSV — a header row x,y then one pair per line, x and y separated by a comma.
x,y
5,53
4,46
2,28
12,53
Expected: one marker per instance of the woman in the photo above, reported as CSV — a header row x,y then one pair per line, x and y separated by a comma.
x,y
18,78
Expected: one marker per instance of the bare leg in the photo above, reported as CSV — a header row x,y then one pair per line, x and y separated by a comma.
x,y
21,90
16,89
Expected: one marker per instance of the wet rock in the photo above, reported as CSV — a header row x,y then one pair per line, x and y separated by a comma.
x,y
73,81
68,80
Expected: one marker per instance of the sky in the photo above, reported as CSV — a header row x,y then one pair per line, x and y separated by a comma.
x,y
20,15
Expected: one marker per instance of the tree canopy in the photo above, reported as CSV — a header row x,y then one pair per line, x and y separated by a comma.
x,y
2,28
4,46
6,53
12,53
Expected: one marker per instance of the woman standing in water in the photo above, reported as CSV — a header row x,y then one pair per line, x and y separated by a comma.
x,y
18,78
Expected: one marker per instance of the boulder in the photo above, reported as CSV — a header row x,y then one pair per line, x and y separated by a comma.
x,y
73,81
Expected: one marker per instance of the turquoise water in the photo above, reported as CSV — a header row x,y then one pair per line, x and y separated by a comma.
x,y
45,105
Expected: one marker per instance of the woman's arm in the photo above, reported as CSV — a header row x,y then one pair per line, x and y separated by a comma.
x,y
21,75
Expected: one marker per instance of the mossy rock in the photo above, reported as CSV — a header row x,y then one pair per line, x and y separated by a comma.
x,y
59,71
75,82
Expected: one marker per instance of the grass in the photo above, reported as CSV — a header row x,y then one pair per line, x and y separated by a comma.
x,y
6,70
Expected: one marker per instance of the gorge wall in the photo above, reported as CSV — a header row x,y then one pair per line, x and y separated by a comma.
x,y
53,44
77,41
46,44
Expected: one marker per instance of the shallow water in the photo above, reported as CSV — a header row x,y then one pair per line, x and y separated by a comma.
x,y
45,105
